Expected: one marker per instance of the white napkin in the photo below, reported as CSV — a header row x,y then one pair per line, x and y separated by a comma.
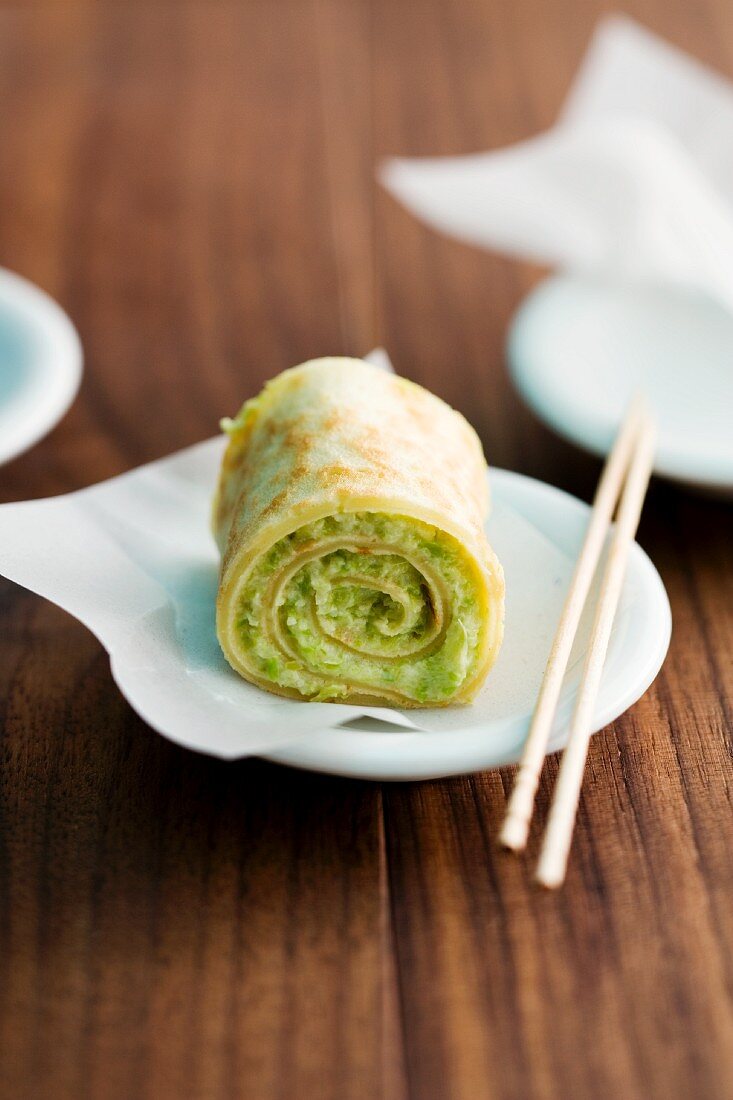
x,y
635,180
133,559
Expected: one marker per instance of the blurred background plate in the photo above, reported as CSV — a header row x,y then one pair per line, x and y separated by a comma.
x,y
40,364
578,348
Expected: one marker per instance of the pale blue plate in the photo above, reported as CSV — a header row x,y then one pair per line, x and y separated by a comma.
x,y
40,364
579,348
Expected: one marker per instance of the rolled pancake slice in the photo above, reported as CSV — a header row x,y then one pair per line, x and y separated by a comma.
x,y
350,518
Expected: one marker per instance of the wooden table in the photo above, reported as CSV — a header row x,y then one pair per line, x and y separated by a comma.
x,y
194,182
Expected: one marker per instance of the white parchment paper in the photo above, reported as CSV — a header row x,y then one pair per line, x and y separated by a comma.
x,y
633,182
134,560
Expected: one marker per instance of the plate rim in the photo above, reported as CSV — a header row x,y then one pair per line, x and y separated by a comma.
x,y
63,357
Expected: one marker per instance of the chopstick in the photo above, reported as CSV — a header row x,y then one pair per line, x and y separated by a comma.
x,y
519,811
559,833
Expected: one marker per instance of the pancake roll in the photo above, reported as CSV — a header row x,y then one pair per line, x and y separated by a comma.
x,y
350,518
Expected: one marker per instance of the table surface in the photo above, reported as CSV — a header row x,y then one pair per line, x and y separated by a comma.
x,y
194,182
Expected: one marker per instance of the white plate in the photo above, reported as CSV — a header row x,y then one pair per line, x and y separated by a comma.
x,y
40,364
579,348
638,648
133,559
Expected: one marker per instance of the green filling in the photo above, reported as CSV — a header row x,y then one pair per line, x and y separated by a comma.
x,y
364,621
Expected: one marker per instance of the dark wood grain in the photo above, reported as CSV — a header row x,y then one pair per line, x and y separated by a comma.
x,y
193,181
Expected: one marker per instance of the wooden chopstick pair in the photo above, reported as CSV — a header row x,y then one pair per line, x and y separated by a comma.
x,y
625,475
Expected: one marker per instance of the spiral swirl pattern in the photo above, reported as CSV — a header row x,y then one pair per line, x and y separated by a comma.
x,y
362,605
